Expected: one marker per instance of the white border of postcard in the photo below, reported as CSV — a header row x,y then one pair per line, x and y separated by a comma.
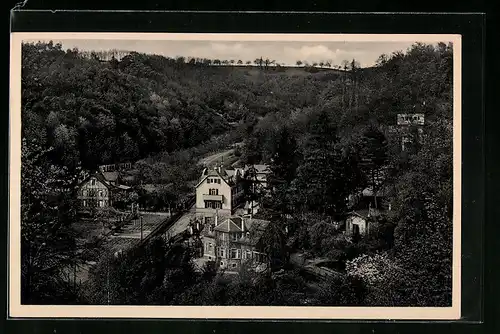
x,y
223,312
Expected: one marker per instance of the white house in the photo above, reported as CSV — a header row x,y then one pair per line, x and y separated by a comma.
x,y
218,191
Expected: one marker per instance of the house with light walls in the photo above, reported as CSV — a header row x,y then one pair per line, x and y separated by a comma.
x,y
99,189
227,238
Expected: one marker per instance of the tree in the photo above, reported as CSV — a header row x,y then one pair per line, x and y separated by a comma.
x,y
240,62
48,207
374,155
299,62
283,167
320,184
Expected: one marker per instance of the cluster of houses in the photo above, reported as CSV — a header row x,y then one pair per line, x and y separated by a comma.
x,y
229,232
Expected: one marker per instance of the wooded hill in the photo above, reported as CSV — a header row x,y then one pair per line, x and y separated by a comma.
x,y
324,133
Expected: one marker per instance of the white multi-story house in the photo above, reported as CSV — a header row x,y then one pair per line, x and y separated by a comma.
x,y
218,192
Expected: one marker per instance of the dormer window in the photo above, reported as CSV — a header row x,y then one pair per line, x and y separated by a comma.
x,y
92,182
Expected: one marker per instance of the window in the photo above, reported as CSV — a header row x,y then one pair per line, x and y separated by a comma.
x,y
210,246
84,203
100,193
234,265
101,204
218,181
234,254
221,252
236,236
221,263
209,180
213,191
249,254
92,182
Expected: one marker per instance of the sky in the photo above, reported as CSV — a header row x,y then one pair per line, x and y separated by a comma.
x,y
287,52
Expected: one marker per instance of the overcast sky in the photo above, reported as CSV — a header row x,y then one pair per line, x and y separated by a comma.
x,y
283,52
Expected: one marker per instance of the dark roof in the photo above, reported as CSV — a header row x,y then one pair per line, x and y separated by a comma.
x,y
254,228
260,169
360,213
228,175
110,176
99,176
364,213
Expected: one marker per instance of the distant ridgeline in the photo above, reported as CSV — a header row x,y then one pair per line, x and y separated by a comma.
x,y
105,55
140,105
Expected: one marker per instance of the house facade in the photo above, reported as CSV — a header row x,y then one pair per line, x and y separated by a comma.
x,y
230,242
218,192
96,191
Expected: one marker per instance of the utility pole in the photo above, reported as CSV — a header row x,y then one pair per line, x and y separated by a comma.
x,y
141,226
107,281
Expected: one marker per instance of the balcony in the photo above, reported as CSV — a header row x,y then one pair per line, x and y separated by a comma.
x,y
207,197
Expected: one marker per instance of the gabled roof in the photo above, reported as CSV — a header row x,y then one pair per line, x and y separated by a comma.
x,y
99,176
364,213
228,175
228,226
360,213
254,228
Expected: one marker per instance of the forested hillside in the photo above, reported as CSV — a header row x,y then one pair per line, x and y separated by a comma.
x,y
325,133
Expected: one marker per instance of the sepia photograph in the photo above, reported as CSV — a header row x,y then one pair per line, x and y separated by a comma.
x,y
308,174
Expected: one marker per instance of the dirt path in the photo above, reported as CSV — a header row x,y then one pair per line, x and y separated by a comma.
x,y
214,158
